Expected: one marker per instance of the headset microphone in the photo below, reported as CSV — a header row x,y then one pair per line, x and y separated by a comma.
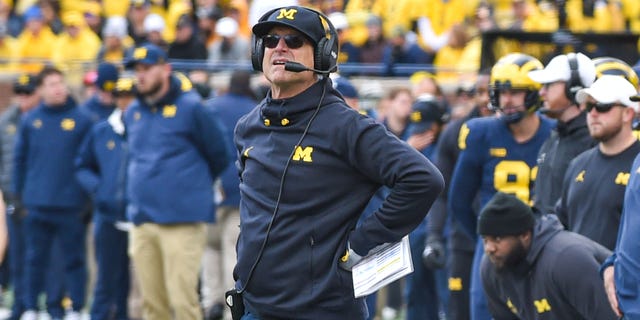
x,y
299,67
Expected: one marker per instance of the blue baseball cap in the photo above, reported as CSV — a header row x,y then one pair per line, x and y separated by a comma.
x,y
146,54
33,13
126,85
424,113
345,87
25,84
107,76
298,18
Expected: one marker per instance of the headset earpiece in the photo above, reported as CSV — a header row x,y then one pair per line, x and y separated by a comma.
x,y
575,83
257,53
326,50
326,55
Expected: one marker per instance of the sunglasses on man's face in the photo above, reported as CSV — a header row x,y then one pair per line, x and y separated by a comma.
x,y
601,107
293,41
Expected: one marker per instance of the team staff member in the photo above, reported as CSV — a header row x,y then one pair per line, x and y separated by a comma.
x,y
26,98
529,268
561,79
102,103
425,291
498,153
595,182
101,171
620,271
176,150
308,166
47,143
460,246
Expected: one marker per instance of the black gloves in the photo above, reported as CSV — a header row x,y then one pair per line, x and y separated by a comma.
x,y
433,256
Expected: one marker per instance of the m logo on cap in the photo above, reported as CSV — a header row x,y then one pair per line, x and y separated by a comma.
x,y
24,79
140,53
416,116
287,14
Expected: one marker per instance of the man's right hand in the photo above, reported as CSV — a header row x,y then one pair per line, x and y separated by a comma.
x,y
610,289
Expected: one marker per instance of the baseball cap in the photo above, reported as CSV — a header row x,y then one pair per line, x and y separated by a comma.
x,y
418,76
426,112
146,54
116,26
107,76
558,69
611,89
25,83
125,85
505,215
339,20
153,22
73,19
298,18
227,27
33,13
184,21
345,87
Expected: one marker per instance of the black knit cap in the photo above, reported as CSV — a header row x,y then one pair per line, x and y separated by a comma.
x,y
505,215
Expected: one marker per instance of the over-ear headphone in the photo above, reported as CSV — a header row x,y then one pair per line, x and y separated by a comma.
x,y
325,51
575,83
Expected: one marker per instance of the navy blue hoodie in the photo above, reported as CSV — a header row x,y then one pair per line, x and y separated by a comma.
x,y
176,150
47,143
342,160
101,167
558,279
96,110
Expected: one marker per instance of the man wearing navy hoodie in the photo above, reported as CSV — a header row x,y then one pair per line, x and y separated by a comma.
x,y
176,150
47,142
308,166
101,168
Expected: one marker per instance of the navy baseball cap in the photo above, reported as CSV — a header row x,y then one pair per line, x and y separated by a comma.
x,y
345,87
25,84
126,85
298,18
424,113
107,76
146,54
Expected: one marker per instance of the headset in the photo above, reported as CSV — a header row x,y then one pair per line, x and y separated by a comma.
x,y
325,52
574,84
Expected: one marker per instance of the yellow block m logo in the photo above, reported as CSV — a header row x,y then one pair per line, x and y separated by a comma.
x,y
303,154
287,14
140,53
623,178
542,305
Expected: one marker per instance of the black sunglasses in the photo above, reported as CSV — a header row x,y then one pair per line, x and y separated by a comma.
x,y
600,107
293,41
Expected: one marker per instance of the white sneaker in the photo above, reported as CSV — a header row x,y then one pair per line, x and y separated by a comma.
x,y
72,315
29,315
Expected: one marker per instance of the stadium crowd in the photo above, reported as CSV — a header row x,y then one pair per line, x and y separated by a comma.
x,y
135,172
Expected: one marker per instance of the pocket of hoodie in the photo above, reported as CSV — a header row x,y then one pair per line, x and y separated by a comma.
x,y
626,282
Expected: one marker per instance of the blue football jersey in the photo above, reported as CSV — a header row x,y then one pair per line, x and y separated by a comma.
x,y
492,160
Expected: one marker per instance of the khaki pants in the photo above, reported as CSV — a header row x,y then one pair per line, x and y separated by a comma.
x,y
167,264
220,257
